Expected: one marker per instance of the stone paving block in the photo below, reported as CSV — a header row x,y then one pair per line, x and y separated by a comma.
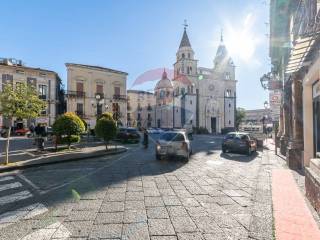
x,y
224,201
166,192
81,216
153,202
115,197
232,193
183,194
178,187
243,201
112,207
160,227
183,224
109,217
163,238
157,212
134,183
243,219
134,205
133,216
149,184
134,189
171,201
135,231
79,228
197,211
151,192
191,236
106,231
189,202
116,190
134,196
207,225
83,205
177,211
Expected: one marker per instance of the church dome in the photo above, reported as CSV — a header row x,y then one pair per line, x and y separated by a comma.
x,y
165,82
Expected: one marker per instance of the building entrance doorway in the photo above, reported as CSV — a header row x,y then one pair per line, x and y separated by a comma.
x,y
214,125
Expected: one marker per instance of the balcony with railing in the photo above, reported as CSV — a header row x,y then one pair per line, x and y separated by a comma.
x,y
119,97
75,94
306,19
305,32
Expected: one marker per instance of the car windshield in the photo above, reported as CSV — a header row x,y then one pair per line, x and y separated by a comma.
x,y
176,137
230,136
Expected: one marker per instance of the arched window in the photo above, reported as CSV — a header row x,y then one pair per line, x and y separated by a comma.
x,y
188,70
189,55
191,89
183,90
182,55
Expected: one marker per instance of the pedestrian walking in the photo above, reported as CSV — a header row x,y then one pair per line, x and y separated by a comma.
x,y
145,138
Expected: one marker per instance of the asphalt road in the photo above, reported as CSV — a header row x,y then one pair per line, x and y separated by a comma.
x,y
134,196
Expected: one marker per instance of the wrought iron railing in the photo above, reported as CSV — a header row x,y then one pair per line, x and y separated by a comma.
x,y
76,94
306,19
120,97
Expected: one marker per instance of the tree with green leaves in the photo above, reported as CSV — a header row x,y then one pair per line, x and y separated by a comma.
x,y
68,126
106,128
21,101
240,116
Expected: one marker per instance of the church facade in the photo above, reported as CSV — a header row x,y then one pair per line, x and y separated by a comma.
x,y
197,96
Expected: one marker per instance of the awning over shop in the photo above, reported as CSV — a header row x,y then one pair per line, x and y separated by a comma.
x,y
299,52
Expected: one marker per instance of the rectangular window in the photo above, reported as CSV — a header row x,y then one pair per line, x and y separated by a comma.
x,y
7,79
43,92
117,91
99,88
32,81
79,89
80,109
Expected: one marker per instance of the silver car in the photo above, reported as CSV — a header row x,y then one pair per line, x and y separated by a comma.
x,y
173,144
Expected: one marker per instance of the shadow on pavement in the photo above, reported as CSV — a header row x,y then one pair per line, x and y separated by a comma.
x,y
239,157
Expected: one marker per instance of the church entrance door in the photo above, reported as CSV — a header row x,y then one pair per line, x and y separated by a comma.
x,y
213,125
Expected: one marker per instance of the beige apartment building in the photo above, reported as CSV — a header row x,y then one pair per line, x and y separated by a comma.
x,y
93,90
141,106
47,82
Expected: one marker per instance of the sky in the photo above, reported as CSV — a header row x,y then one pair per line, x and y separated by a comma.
x,y
136,36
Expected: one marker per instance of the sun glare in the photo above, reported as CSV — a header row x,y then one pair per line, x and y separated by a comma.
x,y
240,40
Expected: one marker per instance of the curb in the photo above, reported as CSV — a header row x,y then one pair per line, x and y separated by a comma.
x,y
59,159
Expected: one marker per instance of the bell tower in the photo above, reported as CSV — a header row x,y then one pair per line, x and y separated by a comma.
x,y
185,63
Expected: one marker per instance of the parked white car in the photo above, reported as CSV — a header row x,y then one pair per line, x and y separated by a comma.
x,y
173,144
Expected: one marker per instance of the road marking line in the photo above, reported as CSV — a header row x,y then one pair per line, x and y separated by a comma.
x,y
7,178
10,186
15,197
27,212
89,174
24,178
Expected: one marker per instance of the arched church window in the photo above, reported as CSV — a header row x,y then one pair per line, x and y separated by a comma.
x,y
182,55
162,92
191,89
189,55
188,70
183,90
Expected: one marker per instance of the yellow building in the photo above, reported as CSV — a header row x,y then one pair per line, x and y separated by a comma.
x,y
140,109
47,82
93,90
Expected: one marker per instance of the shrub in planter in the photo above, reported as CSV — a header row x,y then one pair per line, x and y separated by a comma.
x,y
67,125
106,128
68,139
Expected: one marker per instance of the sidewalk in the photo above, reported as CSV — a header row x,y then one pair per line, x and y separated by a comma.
x,y
31,157
294,218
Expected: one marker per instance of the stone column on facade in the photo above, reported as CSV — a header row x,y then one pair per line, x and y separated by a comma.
x,y
285,116
295,145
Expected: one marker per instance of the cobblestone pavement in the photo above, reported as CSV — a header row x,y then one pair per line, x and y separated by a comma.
x,y
133,196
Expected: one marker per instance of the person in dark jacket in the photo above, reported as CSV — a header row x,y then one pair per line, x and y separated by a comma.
x,y
145,138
